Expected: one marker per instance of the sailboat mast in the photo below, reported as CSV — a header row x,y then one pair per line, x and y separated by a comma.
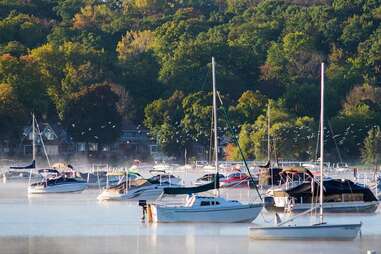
x,y
33,138
321,140
268,132
215,116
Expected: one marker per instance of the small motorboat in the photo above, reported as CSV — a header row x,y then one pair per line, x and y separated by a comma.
x,y
48,173
207,178
19,176
166,178
60,184
102,179
134,190
205,209
21,173
238,180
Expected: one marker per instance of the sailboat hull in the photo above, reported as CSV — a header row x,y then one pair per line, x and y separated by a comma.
x,y
232,214
342,232
59,188
340,207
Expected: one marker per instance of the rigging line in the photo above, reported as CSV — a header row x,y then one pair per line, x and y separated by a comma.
x,y
334,140
204,80
42,142
236,142
317,144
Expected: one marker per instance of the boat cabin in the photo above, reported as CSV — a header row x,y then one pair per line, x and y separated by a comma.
x,y
201,201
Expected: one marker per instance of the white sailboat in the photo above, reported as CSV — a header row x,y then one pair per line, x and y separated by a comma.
x,y
206,208
319,231
59,184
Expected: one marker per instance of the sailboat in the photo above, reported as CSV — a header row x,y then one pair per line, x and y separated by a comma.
x,y
318,231
206,208
58,184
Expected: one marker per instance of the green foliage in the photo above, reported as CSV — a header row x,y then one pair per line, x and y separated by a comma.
x,y
291,137
197,116
26,29
78,117
371,150
148,50
163,119
12,114
23,75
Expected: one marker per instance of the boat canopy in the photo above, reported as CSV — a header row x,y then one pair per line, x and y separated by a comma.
x,y
332,187
297,170
62,166
190,190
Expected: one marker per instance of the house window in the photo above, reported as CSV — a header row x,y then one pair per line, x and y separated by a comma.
x,y
81,147
93,147
51,149
154,149
30,135
50,135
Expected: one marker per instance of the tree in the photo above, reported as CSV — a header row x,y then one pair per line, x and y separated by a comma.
x,y
26,29
291,137
24,77
197,117
79,115
13,48
356,29
67,68
12,114
250,105
134,43
371,150
368,60
163,119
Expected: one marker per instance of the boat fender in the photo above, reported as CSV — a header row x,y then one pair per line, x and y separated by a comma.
x,y
277,219
143,204
149,213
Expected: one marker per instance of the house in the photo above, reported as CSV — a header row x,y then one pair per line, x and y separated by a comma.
x,y
51,137
134,142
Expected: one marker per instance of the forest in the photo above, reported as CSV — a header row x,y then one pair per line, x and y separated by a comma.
x,y
96,65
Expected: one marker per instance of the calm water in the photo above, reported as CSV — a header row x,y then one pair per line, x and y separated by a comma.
x,y
78,223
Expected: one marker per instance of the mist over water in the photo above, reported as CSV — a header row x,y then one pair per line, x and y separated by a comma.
x,y
78,223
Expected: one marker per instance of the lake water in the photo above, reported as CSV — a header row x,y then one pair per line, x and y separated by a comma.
x,y
78,223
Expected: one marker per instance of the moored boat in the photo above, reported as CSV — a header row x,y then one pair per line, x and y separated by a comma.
x,y
339,196
308,232
207,178
60,184
139,189
206,209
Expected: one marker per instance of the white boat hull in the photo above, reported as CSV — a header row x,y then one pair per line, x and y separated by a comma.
x,y
149,194
232,214
314,232
59,188
339,207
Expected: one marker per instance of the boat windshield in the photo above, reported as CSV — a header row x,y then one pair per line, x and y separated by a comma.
x,y
190,201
